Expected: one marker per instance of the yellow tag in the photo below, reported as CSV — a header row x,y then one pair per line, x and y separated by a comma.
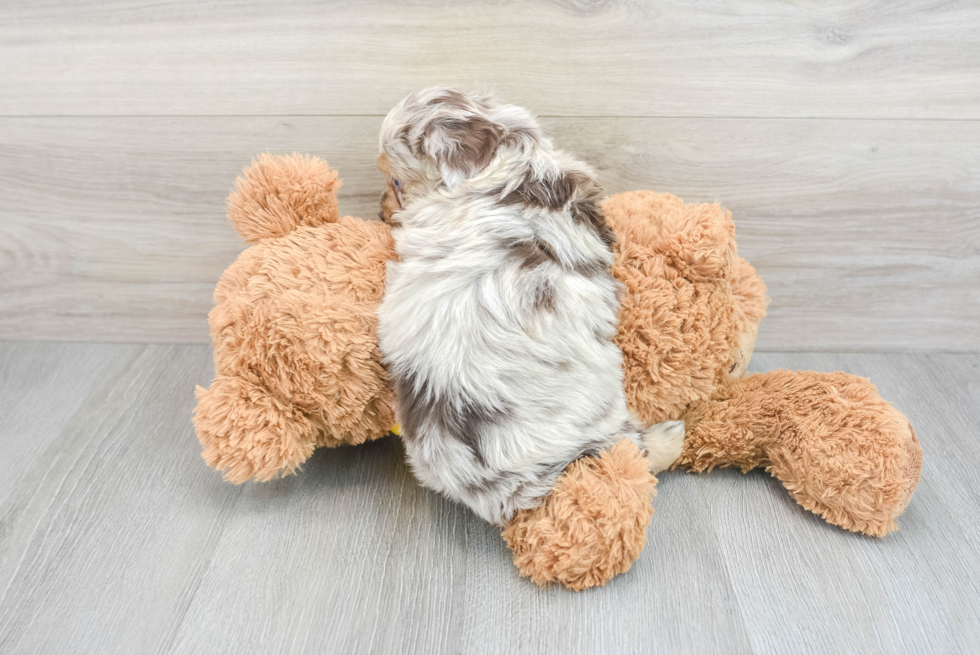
x,y
396,429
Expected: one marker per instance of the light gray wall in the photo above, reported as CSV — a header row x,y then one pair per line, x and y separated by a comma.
x,y
845,139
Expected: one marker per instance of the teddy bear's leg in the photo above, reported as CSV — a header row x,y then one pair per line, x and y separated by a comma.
x,y
248,433
840,450
593,525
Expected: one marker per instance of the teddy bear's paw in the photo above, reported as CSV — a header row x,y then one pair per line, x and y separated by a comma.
x,y
593,525
664,443
248,433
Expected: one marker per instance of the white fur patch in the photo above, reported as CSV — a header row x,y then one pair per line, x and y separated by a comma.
x,y
664,443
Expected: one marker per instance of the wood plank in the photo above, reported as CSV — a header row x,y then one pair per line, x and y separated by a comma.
x,y
43,386
873,58
105,530
116,538
352,556
867,232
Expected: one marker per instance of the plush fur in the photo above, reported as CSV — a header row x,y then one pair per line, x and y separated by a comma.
x,y
279,194
839,449
692,307
297,364
498,318
294,329
593,525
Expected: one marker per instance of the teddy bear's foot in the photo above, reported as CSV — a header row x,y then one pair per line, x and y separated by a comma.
x,y
864,485
593,525
840,450
249,434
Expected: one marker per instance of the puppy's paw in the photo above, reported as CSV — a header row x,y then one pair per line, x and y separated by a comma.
x,y
664,443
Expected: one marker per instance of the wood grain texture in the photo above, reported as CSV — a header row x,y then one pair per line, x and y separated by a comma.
x,y
867,232
115,538
873,58
110,520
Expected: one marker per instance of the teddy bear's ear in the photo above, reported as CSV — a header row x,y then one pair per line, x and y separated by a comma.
x,y
277,194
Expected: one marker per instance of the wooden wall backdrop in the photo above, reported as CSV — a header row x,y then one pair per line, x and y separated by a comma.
x,y
845,138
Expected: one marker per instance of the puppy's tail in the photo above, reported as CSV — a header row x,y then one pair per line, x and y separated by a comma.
x,y
664,443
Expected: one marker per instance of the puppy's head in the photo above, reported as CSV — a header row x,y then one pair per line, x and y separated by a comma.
x,y
440,137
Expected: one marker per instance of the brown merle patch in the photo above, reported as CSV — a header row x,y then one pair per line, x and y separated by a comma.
x,y
475,139
545,297
585,209
533,252
515,482
574,187
591,268
452,98
464,420
588,212
546,194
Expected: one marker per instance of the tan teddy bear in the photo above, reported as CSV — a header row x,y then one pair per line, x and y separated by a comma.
x,y
293,328
297,366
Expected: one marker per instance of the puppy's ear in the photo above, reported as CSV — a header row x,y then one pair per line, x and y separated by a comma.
x,y
461,146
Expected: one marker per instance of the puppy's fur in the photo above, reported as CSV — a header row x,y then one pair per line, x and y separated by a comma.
x,y
498,319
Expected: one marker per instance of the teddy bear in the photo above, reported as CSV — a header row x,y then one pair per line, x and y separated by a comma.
x,y
297,366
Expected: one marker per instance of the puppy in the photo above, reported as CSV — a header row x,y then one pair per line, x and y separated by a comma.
x,y
498,319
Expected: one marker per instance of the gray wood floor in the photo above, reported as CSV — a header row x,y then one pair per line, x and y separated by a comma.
x,y
116,538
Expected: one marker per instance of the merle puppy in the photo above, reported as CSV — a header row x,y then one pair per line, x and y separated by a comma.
x,y
497,322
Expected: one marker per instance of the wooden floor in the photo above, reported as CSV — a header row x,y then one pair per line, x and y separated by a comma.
x,y
116,538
